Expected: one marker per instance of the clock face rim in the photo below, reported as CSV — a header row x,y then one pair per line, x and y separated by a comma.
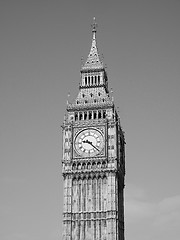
x,y
84,149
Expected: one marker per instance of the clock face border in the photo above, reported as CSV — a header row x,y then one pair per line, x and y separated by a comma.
x,y
77,132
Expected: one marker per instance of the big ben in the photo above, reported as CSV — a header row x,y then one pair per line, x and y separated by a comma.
x,y
93,161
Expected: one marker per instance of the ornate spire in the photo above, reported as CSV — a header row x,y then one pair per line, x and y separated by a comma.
x,y
93,61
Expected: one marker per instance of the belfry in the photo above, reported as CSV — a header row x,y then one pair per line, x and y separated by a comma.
x,y
93,161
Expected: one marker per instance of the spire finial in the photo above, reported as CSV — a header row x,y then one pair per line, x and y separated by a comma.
x,y
94,28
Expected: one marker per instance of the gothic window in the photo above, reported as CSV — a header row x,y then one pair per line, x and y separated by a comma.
x,y
94,230
85,115
92,80
89,223
90,115
74,166
79,230
95,79
83,95
85,81
104,113
93,165
79,202
84,230
99,192
94,115
98,80
89,79
99,114
89,165
94,193
80,116
84,195
104,164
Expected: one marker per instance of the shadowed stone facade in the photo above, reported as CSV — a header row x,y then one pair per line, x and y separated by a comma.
x,y
93,161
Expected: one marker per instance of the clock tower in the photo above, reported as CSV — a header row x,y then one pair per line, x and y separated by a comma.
x,y
93,162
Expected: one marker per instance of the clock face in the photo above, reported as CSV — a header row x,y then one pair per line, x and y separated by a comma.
x,y
89,142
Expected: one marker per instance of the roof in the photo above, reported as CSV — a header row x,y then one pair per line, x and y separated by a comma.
x,y
93,60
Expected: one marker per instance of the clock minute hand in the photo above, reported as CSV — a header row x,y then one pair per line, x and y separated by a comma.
x,y
93,146
87,141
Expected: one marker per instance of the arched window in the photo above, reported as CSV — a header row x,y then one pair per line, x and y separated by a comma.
x,y
85,81
74,166
90,115
89,80
104,113
92,80
85,115
94,115
76,116
99,114
83,166
95,80
98,80
80,116
89,165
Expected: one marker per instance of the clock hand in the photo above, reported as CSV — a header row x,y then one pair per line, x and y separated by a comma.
x,y
87,141
93,146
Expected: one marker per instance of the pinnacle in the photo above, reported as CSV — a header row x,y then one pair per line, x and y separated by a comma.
x,y
93,60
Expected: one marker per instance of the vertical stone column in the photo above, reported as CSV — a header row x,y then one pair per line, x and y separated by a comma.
x,y
65,194
69,194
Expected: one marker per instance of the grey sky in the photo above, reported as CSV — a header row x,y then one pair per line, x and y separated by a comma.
x,y
41,45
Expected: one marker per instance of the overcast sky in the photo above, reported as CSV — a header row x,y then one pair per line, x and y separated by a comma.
x,y
41,45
